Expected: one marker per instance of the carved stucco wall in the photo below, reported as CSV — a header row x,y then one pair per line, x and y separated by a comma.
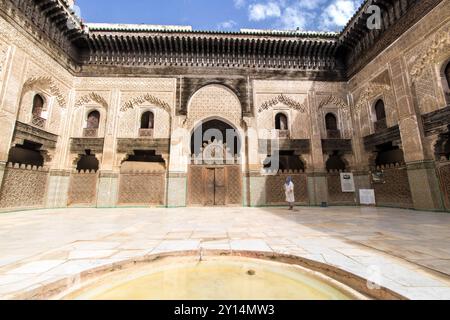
x,y
22,188
130,117
33,70
269,105
85,102
214,101
335,103
4,49
425,63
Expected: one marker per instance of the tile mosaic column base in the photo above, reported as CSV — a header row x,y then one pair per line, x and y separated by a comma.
x,y
108,184
317,188
58,188
176,190
424,186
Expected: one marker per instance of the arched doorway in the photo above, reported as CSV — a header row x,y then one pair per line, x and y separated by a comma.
x,y
215,176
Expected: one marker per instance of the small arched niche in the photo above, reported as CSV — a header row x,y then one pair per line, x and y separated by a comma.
x,y
37,111
281,121
446,80
92,124
147,124
380,115
331,125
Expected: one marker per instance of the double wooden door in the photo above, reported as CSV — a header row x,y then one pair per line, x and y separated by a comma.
x,y
215,186
215,193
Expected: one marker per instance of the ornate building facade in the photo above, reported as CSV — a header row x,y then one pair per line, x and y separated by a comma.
x,y
104,115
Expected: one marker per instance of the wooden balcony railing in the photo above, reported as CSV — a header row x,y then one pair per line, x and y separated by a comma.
x,y
282,134
380,125
333,134
146,133
38,121
90,132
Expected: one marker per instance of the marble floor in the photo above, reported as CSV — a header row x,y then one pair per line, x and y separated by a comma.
x,y
405,251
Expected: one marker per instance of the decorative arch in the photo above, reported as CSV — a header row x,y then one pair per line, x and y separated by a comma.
x,y
439,46
130,104
91,97
44,82
331,99
371,91
291,103
213,101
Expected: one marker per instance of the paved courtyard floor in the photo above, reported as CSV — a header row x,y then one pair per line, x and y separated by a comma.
x,y
409,251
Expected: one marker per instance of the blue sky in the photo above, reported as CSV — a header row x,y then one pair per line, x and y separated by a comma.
x,y
227,15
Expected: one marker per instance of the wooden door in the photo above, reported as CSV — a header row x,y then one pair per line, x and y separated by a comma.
x,y
210,187
220,188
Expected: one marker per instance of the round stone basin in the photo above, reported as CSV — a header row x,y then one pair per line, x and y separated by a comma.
x,y
218,278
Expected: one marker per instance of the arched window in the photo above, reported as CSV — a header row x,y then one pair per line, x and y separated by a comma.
x,y
147,120
331,122
38,106
447,74
281,122
380,111
93,120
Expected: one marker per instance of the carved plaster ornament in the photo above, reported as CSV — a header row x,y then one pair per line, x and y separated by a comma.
x,y
293,104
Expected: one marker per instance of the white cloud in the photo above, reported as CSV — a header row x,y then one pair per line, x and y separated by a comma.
x,y
227,24
303,14
338,13
293,18
261,11
239,3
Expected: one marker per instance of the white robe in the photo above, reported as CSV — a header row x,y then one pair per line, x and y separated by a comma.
x,y
289,190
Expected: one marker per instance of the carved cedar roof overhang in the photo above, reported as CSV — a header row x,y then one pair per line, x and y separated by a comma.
x,y
54,19
336,56
187,48
359,44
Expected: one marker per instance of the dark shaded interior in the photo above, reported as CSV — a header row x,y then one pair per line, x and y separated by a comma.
x,y
88,161
212,130
335,162
388,153
442,147
331,122
38,105
447,74
288,161
281,122
380,110
145,156
147,120
28,154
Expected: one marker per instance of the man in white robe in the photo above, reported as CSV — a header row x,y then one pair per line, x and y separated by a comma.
x,y
289,191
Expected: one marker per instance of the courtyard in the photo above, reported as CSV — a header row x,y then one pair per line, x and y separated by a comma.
x,y
407,251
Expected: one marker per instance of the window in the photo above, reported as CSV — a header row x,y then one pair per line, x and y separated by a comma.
x,y
93,120
38,106
447,74
331,122
147,120
281,122
380,111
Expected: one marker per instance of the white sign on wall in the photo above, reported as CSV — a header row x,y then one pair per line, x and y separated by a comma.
x,y
367,196
347,182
